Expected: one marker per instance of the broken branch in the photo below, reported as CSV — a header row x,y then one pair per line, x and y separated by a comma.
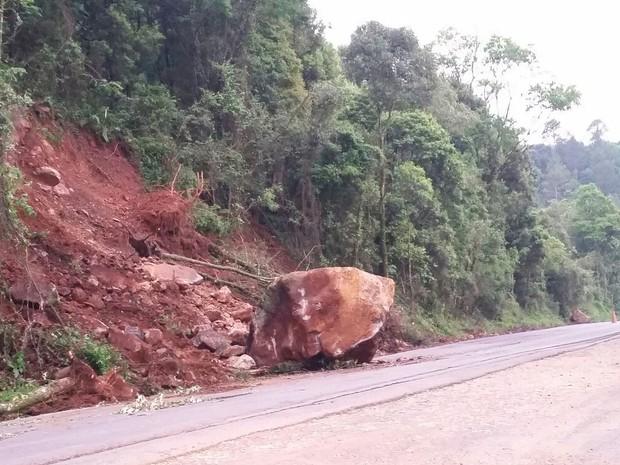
x,y
264,280
37,396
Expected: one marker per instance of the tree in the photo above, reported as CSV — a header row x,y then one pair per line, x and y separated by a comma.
x,y
597,130
397,73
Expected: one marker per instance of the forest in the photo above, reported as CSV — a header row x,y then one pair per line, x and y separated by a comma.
x,y
400,158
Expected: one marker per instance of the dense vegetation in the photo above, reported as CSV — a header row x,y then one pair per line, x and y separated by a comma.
x,y
579,192
401,159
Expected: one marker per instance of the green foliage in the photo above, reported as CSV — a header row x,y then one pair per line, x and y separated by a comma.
x,y
391,64
63,342
101,357
13,202
554,96
17,364
12,390
210,220
10,201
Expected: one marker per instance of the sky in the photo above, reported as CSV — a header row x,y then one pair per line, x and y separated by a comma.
x,y
575,40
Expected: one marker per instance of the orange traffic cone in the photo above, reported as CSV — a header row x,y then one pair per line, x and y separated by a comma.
x,y
614,317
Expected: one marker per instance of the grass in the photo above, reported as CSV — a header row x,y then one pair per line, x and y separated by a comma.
x,y
101,356
443,326
598,311
13,390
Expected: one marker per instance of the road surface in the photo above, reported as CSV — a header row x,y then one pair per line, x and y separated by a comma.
x,y
103,436
562,410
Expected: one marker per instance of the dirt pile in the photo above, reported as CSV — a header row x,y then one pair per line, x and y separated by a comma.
x,y
79,247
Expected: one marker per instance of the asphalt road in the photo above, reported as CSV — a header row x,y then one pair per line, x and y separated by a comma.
x,y
103,436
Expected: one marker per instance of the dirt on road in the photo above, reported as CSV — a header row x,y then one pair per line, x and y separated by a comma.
x,y
559,411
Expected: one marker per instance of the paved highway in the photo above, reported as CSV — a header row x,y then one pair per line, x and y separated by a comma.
x,y
103,436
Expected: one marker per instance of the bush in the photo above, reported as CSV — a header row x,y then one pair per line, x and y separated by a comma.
x,y
101,356
10,391
208,220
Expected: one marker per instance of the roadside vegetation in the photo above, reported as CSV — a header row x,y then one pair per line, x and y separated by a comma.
x,y
22,354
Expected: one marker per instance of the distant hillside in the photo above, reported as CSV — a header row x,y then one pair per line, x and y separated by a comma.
x,y
563,167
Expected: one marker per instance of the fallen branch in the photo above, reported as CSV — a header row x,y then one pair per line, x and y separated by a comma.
x,y
37,396
264,280
232,285
219,253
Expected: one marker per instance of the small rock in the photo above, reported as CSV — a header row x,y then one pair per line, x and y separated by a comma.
x,y
93,281
169,365
44,187
145,301
101,332
114,387
238,334
96,302
79,295
64,291
213,314
198,328
36,152
48,175
211,340
220,325
244,313
33,293
162,351
223,296
233,351
134,331
124,341
153,336
61,190
244,362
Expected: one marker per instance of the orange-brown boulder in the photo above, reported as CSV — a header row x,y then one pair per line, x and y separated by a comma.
x,y
326,313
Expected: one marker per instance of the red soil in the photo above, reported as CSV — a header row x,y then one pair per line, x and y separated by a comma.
x,y
80,244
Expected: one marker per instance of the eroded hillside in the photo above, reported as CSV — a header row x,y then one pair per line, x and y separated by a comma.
x,y
81,277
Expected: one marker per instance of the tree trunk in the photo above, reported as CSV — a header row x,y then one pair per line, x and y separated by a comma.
x,y
358,237
382,193
37,396
382,219
2,3
264,280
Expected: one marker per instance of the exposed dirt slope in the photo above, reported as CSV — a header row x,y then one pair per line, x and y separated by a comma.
x,y
80,245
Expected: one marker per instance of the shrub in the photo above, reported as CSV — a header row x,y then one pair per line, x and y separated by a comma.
x,y
101,356
209,220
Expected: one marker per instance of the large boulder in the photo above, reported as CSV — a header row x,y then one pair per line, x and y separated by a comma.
x,y
326,313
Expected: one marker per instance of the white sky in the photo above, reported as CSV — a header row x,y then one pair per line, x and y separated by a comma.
x,y
576,41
